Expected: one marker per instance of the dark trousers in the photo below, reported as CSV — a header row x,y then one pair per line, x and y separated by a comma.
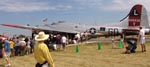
x,y
41,65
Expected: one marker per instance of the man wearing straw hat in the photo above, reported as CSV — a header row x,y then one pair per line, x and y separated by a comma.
x,y
41,51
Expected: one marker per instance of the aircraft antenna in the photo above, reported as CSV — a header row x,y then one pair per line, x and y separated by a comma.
x,y
124,17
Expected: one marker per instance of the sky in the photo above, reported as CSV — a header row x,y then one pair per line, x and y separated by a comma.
x,y
33,12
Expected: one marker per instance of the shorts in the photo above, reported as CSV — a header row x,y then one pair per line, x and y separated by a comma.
x,y
7,54
142,41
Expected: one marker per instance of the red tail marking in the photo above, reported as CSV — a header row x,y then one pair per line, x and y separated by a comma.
x,y
135,16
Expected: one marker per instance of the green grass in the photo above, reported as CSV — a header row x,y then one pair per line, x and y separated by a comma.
x,y
90,56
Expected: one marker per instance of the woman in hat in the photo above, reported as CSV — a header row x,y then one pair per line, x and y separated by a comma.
x,y
41,51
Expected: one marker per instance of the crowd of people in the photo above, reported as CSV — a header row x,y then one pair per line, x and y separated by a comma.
x,y
15,46
24,45
59,41
18,45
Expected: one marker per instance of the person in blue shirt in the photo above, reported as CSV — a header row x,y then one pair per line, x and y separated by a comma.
x,y
7,52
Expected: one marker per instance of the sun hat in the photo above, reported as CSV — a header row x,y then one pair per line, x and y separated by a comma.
x,y
41,36
22,39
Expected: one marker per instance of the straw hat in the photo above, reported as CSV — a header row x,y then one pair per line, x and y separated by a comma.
x,y
41,36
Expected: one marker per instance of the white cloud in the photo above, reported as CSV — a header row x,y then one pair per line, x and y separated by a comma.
x,y
89,3
61,7
121,5
112,5
35,5
28,6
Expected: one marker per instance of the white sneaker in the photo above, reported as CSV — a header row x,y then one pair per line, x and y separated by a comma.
x,y
7,65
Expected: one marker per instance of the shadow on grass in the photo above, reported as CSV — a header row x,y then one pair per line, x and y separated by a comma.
x,y
115,48
2,65
133,53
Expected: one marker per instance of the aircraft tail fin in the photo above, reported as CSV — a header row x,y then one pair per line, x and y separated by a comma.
x,y
136,17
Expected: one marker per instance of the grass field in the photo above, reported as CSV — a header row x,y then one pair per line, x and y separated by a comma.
x,y
90,56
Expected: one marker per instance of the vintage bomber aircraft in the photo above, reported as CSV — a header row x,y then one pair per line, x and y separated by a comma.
x,y
137,17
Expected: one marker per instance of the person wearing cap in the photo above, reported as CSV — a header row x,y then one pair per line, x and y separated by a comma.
x,y
41,51
142,39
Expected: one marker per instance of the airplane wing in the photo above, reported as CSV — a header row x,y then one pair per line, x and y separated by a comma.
x,y
16,26
45,27
22,26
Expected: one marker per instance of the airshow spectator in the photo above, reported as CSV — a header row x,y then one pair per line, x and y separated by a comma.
x,y
32,43
28,47
22,46
1,48
16,41
12,47
142,39
41,51
77,37
58,41
7,52
64,41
